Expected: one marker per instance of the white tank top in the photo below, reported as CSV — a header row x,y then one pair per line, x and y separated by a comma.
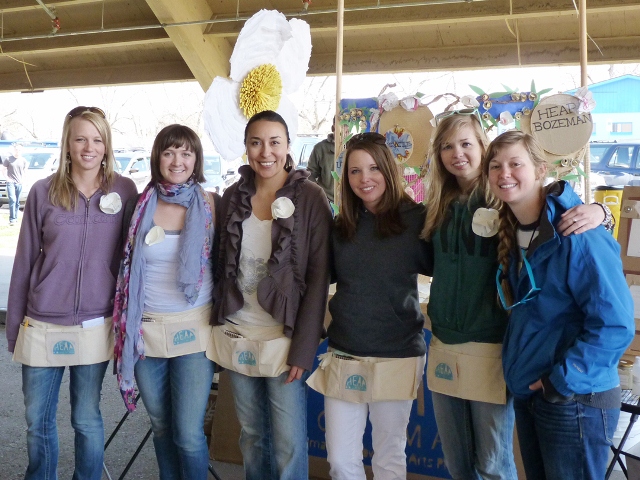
x,y
161,293
255,251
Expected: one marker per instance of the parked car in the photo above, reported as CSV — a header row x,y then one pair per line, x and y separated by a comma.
x,y
302,148
217,177
135,164
43,161
616,162
213,173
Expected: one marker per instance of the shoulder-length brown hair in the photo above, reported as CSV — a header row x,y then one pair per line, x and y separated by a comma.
x,y
177,136
63,192
388,219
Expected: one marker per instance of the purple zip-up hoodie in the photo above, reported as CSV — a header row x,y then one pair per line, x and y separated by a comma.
x,y
66,262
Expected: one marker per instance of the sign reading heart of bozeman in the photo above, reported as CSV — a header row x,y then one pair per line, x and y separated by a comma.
x,y
558,126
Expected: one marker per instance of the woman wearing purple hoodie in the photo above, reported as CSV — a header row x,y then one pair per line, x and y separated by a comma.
x,y
61,292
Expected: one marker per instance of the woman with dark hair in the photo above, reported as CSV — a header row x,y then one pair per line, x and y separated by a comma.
x,y
163,304
61,293
376,344
270,295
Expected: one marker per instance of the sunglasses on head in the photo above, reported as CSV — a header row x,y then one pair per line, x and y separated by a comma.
x,y
80,110
367,137
463,111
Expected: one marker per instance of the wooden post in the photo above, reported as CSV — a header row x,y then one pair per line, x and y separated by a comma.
x,y
337,136
584,81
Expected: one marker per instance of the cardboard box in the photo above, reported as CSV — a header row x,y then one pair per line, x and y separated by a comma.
x,y
630,214
424,454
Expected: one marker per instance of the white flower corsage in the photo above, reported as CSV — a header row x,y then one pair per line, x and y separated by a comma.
x,y
485,222
470,101
325,359
110,203
282,208
155,235
587,102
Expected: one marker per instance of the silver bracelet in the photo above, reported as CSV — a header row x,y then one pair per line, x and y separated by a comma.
x,y
609,221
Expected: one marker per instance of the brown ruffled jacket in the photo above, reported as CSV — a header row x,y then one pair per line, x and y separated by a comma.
x,y
295,289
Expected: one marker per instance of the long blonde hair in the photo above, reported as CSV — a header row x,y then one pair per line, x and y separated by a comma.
x,y
508,224
441,186
63,192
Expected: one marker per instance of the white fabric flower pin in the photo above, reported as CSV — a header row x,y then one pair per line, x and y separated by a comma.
x,y
506,118
155,235
587,102
388,101
110,203
269,61
469,101
485,222
282,208
325,359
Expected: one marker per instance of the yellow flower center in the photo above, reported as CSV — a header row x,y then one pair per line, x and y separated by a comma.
x,y
260,90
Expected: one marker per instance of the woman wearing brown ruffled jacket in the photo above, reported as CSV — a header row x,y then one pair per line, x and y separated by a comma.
x,y
270,296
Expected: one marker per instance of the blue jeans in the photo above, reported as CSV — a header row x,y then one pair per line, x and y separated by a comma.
x,y
273,417
175,392
477,437
41,386
13,192
568,440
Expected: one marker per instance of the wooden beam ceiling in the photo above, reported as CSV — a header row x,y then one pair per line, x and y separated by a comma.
x,y
206,56
107,42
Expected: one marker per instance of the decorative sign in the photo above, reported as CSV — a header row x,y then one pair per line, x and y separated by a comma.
x,y
400,142
559,126
408,133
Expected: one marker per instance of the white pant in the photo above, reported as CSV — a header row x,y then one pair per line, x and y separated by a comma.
x,y
345,423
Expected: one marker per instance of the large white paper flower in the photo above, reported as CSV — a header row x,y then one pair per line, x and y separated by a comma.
x,y
270,61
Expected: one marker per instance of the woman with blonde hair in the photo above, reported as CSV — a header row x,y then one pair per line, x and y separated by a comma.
x,y
376,342
473,409
61,292
571,317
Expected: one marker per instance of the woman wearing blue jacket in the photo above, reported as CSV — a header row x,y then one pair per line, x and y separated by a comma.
x,y
571,317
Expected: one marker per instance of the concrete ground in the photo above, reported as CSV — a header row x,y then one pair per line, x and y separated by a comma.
x,y
13,450
13,443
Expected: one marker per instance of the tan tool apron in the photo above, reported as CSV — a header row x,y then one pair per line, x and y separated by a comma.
x,y
472,371
252,351
44,344
367,379
168,335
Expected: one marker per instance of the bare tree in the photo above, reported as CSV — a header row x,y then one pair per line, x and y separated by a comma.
x,y
318,106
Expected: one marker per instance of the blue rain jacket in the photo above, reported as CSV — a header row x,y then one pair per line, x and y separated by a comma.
x,y
581,322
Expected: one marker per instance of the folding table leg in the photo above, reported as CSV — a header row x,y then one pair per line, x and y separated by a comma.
x,y
618,451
